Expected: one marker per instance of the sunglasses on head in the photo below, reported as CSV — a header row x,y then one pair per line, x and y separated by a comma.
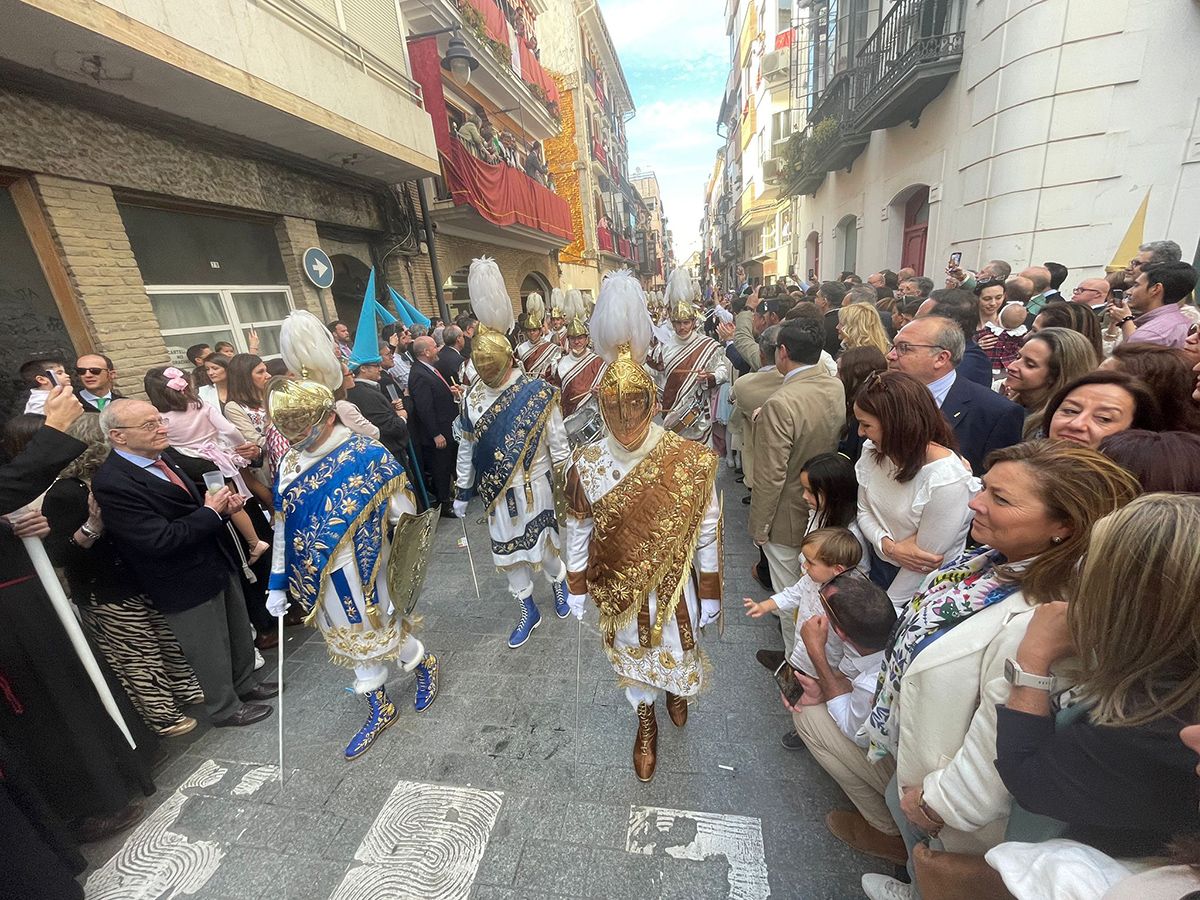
x,y
89,370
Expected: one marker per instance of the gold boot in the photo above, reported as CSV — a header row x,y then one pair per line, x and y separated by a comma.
x,y
645,745
677,708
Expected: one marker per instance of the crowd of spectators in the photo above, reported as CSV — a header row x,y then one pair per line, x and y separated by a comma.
x,y
987,584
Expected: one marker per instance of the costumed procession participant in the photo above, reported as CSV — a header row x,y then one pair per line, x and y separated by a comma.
x,y
538,352
690,365
579,371
513,445
643,529
344,505
559,317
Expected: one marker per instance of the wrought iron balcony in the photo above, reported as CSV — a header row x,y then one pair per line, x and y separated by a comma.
x,y
907,62
832,140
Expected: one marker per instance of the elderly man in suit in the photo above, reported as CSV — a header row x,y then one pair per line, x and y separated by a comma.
x,y
930,349
802,418
450,358
435,407
175,540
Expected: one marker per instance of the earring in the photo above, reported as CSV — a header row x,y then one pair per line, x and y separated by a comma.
x,y
1056,540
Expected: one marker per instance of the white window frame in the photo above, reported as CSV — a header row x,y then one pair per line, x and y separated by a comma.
x,y
225,292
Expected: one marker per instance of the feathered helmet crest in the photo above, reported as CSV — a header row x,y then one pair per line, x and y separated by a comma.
x,y
621,333
491,353
681,296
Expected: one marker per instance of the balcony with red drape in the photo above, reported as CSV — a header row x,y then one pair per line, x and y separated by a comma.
x,y
501,194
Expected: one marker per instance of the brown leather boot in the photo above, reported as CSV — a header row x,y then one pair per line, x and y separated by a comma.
x,y
645,744
849,827
677,708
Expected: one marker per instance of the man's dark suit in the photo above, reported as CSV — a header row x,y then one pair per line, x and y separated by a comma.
x,y
434,411
449,363
393,431
975,366
982,420
89,406
176,547
833,341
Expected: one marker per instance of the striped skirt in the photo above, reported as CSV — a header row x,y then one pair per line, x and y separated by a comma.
x,y
142,651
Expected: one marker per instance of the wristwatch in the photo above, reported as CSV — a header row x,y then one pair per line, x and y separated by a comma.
x,y
1126,319
1018,677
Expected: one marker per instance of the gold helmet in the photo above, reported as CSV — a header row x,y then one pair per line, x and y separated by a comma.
x,y
575,314
491,353
681,296
298,408
558,308
535,312
577,327
621,333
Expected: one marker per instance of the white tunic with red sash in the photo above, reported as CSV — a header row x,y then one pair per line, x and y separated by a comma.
x,y
682,366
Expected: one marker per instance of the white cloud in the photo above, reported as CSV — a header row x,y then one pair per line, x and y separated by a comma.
x,y
675,57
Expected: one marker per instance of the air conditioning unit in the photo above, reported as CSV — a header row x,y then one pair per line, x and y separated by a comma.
x,y
772,169
775,64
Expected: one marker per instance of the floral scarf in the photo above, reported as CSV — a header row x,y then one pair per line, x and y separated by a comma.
x,y
950,596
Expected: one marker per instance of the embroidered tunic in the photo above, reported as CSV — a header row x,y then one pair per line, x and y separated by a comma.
x,y
540,360
326,565
519,490
664,551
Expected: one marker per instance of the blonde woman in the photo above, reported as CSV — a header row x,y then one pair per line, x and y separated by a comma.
x,y
1118,776
1045,364
859,325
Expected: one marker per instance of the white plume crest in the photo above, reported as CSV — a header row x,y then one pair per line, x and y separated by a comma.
x,y
620,317
680,287
557,298
307,348
535,306
572,305
489,296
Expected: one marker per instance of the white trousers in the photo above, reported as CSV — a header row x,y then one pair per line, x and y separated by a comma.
x,y
372,676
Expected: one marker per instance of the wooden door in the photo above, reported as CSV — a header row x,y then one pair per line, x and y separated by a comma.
x,y
916,230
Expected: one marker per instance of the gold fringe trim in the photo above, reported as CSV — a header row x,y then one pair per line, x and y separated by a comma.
x,y
540,424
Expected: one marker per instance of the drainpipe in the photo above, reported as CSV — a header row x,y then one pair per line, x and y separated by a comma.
x,y
443,310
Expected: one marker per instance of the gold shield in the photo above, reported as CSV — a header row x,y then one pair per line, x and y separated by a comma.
x,y
411,543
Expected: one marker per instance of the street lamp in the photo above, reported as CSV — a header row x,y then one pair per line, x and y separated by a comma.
x,y
459,61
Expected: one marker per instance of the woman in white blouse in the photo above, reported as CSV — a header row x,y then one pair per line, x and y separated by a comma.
x,y
913,489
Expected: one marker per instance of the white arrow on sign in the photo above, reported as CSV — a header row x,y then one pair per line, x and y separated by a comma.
x,y
320,268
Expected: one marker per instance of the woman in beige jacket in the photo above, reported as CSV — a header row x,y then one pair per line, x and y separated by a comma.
x,y
935,711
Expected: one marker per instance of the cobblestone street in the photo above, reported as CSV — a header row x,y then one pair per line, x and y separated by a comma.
x,y
534,795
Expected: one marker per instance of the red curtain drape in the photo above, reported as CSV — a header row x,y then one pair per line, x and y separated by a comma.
x,y
493,20
504,195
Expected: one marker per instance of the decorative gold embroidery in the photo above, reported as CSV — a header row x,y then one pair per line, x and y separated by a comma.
x,y
685,674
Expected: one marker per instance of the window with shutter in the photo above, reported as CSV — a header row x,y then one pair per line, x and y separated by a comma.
x,y
376,25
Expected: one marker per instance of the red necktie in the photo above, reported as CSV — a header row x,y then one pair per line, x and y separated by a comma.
x,y
171,476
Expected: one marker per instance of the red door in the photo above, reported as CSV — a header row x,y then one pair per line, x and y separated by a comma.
x,y
916,229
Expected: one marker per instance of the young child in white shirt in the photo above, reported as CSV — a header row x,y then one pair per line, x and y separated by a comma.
x,y
33,373
825,553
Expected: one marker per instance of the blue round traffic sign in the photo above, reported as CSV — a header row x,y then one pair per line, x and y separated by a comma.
x,y
318,267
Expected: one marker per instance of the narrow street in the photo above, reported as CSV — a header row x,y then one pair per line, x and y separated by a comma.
x,y
537,797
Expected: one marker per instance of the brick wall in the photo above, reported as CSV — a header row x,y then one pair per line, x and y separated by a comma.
x,y
295,236
455,253
91,241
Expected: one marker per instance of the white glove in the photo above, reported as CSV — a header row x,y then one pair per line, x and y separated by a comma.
x,y
460,508
277,603
709,611
578,604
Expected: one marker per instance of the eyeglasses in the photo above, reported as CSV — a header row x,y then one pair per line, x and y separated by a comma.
x,y
147,426
88,370
1193,330
903,348
1083,290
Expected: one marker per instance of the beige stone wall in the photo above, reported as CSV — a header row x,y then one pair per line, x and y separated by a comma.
x,y
455,252
295,236
91,241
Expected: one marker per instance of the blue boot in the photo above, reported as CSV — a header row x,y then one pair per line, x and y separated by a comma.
x,y
383,714
530,619
427,682
561,607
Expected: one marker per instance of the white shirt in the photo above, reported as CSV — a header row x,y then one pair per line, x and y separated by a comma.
x,y
941,387
798,370
850,710
92,398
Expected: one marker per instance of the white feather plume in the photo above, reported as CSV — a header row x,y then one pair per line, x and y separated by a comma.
x,y
535,306
557,298
572,305
680,287
620,317
489,297
307,348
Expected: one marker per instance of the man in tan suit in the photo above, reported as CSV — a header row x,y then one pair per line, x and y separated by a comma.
x,y
751,391
799,420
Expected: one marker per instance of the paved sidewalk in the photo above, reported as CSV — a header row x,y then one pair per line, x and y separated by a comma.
x,y
535,795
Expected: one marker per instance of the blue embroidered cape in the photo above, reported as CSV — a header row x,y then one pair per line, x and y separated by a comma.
x,y
341,499
507,435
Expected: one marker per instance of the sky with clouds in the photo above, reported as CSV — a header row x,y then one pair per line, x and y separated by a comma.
x,y
676,59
